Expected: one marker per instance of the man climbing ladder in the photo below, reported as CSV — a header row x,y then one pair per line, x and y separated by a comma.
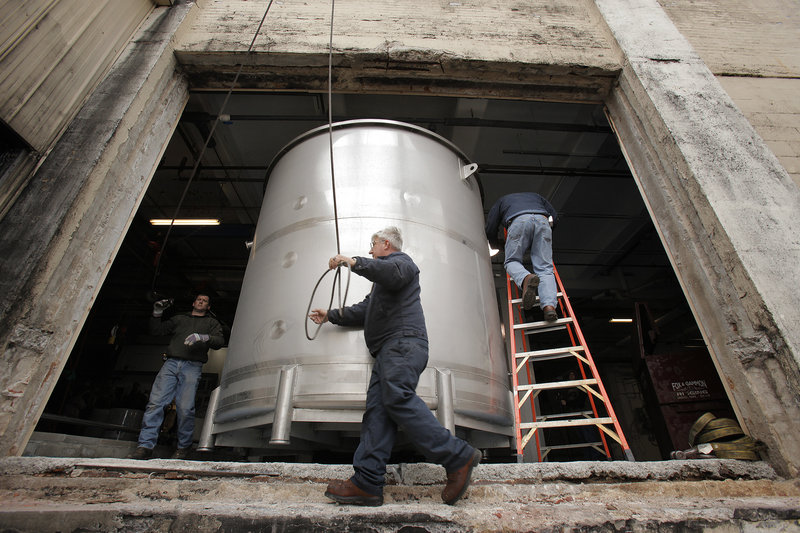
x,y
528,219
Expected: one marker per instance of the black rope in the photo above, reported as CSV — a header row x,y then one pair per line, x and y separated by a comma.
x,y
203,151
330,130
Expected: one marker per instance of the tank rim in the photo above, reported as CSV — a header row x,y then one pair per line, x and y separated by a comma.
x,y
360,122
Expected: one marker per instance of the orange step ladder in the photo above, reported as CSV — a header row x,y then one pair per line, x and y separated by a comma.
x,y
530,425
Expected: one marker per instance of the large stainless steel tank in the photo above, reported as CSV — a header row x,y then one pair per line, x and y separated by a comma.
x,y
279,387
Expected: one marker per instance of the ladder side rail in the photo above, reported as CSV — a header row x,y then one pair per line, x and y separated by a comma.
x,y
594,408
572,333
564,302
528,368
623,442
521,441
514,379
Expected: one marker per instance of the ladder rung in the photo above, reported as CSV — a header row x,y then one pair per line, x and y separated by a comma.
x,y
519,300
573,446
566,423
561,416
552,353
558,384
542,326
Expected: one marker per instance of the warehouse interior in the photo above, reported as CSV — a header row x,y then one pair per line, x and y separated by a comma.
x,y
606,248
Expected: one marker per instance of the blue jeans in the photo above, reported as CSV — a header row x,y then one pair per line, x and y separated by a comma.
x,y
532,232
178,380
392,404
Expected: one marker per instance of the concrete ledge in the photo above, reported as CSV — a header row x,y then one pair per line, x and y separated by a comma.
x,y
413,474
71,494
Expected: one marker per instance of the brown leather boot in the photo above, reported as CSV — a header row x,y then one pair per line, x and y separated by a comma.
x,y
529,285
550,313
458,480
345,491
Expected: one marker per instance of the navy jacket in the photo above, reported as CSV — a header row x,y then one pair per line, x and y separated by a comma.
x,y
392,308
511,205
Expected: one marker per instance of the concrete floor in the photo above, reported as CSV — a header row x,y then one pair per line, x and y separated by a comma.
x,y
49,494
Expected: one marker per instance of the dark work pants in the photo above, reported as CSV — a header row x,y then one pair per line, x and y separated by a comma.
x,y
392,404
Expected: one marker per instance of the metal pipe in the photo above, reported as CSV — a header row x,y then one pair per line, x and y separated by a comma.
x,y
444,392
282,421
206,441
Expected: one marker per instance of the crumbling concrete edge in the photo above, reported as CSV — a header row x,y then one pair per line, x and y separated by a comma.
x,y
417,473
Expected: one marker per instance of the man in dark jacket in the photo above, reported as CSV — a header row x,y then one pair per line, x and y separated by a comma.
x,y
529,219
192,335
395,333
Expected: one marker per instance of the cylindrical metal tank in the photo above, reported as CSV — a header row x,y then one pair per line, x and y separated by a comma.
x,y
279,387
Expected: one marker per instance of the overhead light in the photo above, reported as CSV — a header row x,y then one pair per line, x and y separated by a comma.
x,y
185,222
621,320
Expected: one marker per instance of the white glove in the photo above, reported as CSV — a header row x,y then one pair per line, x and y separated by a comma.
x,y
159,306
195,337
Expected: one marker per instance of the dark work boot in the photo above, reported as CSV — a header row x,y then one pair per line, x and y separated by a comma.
x,y
345,491
180,453
529,285
141,453
458,480
550,313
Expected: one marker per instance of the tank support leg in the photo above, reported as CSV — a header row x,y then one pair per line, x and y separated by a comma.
x,y
282,422
444,392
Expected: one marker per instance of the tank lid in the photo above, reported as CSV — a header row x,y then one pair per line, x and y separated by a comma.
x,y
358,123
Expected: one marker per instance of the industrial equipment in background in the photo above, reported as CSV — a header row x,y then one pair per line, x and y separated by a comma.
x,y
678,381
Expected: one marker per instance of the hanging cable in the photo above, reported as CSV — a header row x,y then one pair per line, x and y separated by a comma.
x,y
330,130
337,279
203,151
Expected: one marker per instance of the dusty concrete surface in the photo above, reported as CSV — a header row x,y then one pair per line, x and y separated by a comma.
x,y
59,494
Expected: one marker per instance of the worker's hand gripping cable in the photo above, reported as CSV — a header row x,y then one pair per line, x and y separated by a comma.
x,y
336,263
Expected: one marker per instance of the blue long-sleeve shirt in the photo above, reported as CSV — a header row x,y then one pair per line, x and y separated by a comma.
x,y
511,205
392,308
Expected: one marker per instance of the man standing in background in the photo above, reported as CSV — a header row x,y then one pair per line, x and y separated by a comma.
x,y
192,335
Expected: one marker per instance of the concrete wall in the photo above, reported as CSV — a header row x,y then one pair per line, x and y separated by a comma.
x,y
59,238
53,53
751,46
726,209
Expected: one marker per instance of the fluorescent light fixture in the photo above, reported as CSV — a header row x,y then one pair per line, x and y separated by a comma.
x,y
185,222
621,320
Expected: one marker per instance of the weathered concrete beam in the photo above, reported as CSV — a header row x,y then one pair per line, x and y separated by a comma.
x,y
726,211
543,49
425,72
61,235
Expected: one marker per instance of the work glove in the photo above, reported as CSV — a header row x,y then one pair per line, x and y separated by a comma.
x,y
195,337
159,306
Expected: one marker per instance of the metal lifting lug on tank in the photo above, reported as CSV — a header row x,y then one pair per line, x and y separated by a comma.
x,y
280,388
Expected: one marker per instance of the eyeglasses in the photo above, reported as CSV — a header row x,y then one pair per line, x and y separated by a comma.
x,y
373,244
